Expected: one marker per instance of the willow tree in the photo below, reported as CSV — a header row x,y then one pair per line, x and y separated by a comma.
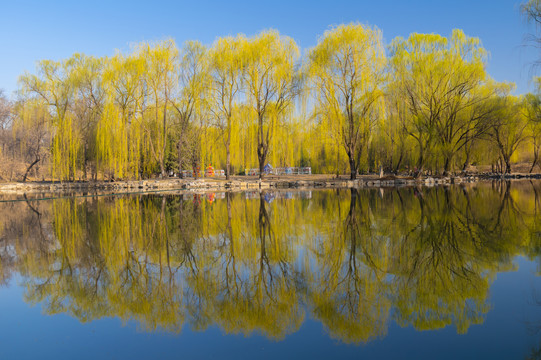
x,y
532,110
225,69
444,82
393,141
54,83
89,102
6,107
189,99
31,128
508,129
347,72
161,69
271,84
119,134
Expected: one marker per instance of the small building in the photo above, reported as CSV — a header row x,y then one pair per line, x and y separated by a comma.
x,y
267,169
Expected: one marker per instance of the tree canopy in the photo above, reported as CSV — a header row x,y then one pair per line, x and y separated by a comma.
x,y
348,105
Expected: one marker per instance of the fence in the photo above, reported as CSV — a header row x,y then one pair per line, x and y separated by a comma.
x,y
208,173
250,172
281,171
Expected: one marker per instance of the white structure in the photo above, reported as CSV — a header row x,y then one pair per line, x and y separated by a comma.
x,y
282,171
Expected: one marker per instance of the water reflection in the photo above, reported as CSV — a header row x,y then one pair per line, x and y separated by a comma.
x,y
355,260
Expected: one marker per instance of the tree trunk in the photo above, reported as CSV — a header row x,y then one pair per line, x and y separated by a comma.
x,y
261,155
228,163
507,166
466,162
195,170
30,167
352,167
228,151
398,163
162,169
179,160
446,166
535,157
420,162
164,147
84,163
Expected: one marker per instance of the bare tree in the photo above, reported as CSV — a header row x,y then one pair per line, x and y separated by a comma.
x,y
30,128
508,129
5,119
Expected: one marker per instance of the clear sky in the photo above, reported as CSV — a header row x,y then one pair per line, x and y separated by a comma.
x,y
35,30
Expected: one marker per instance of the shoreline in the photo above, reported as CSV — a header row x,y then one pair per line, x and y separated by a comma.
x,y
243,183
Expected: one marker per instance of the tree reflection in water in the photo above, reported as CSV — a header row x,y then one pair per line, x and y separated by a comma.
x,y
352,259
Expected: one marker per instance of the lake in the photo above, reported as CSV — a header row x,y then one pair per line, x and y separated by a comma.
x,y
410,273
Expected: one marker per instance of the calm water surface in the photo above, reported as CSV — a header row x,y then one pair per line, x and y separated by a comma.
x,y
446,273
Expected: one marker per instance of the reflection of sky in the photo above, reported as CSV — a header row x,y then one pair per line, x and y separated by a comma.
x,y
27,334
506,331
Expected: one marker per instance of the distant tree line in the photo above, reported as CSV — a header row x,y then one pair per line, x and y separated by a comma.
x,y
349,105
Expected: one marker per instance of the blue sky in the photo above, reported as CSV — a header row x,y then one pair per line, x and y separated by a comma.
x,y
35,30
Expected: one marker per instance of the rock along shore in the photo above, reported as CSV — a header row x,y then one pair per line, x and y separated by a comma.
x,y
243,183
